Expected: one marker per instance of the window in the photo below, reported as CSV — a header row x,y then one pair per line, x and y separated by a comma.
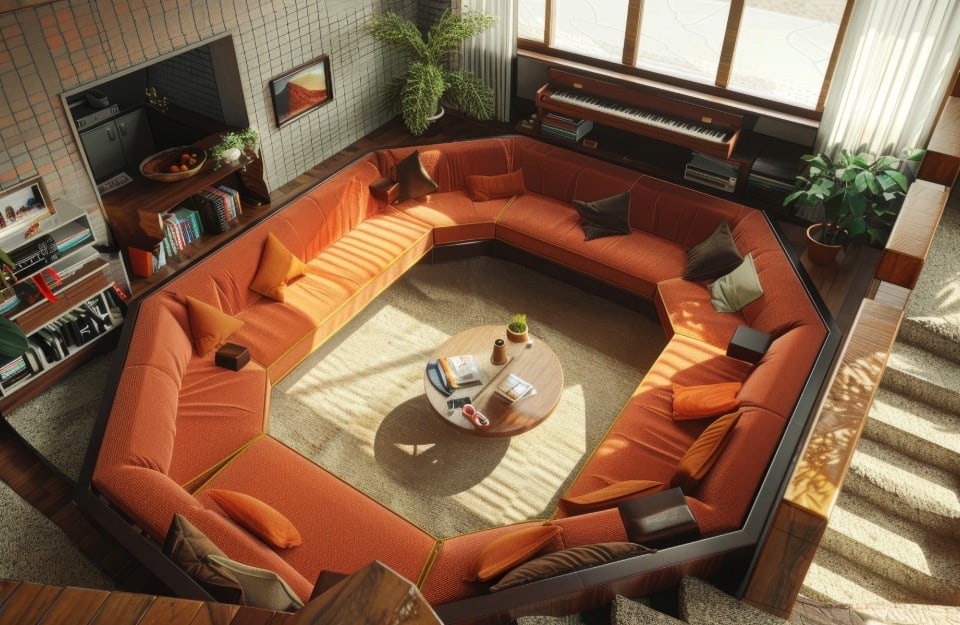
x,y
780,52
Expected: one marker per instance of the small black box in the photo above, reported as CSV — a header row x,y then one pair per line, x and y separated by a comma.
x,y
748,344
659,520
232,356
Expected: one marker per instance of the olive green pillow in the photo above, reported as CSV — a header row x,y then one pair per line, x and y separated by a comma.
x,y
738,288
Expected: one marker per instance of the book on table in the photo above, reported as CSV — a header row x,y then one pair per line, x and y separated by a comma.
x,y
460,371
514,388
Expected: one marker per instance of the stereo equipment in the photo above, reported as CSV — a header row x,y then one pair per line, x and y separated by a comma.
x,y
34,255
712,172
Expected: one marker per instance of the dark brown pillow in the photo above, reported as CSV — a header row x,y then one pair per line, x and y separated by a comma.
x,y
568,560
603,218
715,256
188,547
413,179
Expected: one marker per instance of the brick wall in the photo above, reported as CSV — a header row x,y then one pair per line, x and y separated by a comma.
x,y
58,47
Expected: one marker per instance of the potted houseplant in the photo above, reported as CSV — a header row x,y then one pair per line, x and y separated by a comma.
x,y
857,193
233,145
429,80
517,328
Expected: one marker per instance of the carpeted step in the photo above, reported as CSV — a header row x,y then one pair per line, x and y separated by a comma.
x,y
939,335
917,373
832,578
915,428
916,491
894,553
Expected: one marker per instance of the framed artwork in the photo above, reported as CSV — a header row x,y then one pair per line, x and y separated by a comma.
x,y
23,205
302,89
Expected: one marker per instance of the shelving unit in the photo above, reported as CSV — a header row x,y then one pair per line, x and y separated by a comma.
x,y
84,306
135,211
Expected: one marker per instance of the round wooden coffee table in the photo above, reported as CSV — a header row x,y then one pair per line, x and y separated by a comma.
x,y
535,362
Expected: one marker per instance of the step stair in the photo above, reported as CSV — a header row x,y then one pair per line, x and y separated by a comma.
x,y
886,556
917,373
924,494
916,429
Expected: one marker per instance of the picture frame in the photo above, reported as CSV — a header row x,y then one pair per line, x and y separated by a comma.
x,y
302,89
23,205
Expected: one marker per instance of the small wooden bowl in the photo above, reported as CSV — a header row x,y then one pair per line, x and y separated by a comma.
x,y
157,166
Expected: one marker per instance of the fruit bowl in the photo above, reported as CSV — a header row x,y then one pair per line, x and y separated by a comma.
x,y
173,164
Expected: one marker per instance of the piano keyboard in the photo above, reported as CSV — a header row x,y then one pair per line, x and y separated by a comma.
x,y
632,113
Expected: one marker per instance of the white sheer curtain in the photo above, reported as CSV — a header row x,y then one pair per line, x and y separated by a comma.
x,y
894,68
491,54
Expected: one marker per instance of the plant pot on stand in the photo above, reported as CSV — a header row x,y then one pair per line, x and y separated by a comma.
x,y
820,253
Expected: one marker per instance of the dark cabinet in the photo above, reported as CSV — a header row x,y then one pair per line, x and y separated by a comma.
x,y
118,144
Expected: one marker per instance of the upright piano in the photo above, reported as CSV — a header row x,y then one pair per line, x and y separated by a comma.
x,y
699,128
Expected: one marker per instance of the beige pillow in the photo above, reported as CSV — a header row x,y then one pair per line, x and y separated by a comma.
x,y
738,288
261,588
278,266
209,327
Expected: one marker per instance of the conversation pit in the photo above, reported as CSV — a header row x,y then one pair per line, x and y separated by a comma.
x,y
184,444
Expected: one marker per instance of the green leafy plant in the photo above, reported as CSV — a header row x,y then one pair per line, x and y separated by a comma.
x,y
246,140
13,340
857,192
518,323
429,79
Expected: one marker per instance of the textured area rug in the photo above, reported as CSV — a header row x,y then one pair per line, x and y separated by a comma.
x,y
34,549
357,405
58,422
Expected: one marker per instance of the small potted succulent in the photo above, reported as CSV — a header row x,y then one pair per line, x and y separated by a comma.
x,y
233,145
517,328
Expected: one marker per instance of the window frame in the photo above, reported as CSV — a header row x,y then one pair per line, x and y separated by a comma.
x,y
631,46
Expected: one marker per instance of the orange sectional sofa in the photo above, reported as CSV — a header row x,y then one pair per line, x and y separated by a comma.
x,y
180,426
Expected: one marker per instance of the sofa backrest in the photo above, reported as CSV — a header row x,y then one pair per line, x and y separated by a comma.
x,y
449,164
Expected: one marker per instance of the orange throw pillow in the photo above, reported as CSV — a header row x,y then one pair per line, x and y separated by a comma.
x,y
703,453
608,496
278,266
209,327
505,552
705,400
483,188
258,517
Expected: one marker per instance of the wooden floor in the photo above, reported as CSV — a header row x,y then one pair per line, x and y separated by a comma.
x,y
843,287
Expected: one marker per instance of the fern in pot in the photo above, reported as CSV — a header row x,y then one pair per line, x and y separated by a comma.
x,y
429,80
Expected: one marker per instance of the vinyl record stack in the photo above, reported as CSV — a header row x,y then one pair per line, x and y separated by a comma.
x,y
564,127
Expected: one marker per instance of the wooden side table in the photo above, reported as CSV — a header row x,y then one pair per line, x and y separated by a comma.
x,y
534,362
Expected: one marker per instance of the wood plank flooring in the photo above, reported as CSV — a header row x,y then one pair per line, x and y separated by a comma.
x,y
51,494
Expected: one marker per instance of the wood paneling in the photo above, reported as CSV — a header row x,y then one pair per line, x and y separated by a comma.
x,y
911,237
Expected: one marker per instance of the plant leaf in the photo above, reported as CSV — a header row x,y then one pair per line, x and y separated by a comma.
x,y
420,93
13,341
470,94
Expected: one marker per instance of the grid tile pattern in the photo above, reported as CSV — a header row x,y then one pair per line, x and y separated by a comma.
x,y
65,46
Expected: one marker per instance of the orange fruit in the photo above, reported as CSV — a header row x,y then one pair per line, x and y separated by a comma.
x,y
174,169
184,168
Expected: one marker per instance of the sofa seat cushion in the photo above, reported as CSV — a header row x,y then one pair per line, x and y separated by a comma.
x,y
684,308
551,229
454,217
234,404
645,442
342,529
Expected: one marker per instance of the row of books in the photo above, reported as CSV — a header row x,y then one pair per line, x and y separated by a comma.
x,y
565,127
212,210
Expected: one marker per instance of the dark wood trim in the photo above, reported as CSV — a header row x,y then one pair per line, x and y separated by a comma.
x,y
631,39
835,55
727,51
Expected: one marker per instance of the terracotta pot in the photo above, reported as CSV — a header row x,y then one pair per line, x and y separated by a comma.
x,y
820,253
516,337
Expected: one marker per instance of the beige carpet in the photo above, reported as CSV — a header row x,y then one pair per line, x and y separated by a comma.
x,y
357,408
